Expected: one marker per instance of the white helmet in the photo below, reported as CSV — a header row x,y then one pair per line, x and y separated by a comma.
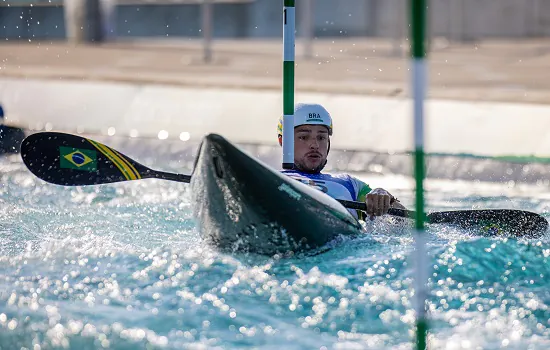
x,y
308,114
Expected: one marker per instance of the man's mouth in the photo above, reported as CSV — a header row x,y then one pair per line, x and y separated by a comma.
x,y
313,155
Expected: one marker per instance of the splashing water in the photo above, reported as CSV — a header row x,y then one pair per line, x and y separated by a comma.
x,y
122,266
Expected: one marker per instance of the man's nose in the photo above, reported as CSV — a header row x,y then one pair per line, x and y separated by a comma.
x,y
314,144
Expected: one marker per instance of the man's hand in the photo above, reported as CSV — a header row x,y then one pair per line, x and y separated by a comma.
x,y
378,202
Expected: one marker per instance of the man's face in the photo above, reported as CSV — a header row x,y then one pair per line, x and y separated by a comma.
x,y
310,147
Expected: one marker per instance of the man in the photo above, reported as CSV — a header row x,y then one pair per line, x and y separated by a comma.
x,y
312,131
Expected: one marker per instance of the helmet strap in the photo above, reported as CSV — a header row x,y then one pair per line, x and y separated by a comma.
x,y
326,160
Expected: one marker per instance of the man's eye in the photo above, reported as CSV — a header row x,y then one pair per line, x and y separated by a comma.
x,y
303,138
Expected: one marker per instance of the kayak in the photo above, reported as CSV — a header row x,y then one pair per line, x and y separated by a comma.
x,y
242,204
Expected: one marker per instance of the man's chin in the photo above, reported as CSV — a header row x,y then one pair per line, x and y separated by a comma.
x,y
313,165
310,167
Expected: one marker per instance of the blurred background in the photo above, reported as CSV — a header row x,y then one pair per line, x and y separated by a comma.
x,y
151,78
177,69
100,20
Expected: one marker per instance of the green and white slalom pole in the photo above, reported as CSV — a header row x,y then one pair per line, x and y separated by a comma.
x,y
418,35
288,83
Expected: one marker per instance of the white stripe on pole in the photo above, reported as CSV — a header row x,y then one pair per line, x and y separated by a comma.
x,y
288,141
419,88
421,276
289,34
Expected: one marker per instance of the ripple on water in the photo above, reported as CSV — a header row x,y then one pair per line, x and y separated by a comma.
x,y
122,266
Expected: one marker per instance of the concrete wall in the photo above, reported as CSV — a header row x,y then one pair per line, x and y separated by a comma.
x,y
230,21
23,23
471,19
148,109
456,19
258,18
331,18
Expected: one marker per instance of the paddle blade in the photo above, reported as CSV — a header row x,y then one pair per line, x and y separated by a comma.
x,y
488,222
71,160
494,222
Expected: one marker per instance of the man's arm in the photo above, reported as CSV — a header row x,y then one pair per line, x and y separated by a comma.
x,y
378,201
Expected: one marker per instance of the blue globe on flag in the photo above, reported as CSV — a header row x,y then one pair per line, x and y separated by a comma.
x,y
78,158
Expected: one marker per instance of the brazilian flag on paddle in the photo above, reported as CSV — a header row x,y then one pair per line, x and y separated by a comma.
x,y
72,160
79,159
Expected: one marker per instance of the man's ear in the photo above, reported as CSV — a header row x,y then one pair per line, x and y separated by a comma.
x,y
280,140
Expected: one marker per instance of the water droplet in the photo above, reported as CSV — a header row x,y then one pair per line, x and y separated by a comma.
x,y
185,136
163,135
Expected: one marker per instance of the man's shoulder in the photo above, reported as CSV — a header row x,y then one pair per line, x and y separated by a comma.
x,y
343,177
323,176
296,173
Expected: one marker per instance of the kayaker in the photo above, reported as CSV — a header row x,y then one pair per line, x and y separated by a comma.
x,y
312,131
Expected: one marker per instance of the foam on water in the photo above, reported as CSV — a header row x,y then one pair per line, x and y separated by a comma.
x,y
122,266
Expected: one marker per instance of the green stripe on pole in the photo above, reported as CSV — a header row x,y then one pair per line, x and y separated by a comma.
x,y
288,90
418,27
421,332
418,52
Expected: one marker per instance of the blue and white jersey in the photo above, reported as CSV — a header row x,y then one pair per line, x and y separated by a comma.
x,y
340,186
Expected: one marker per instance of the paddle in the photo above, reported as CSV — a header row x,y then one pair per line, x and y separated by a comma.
x,y
491,222
71,160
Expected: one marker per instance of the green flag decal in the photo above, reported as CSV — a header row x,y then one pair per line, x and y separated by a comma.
x,y
80,159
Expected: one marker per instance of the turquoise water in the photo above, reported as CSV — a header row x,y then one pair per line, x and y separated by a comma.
x,y
122,266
